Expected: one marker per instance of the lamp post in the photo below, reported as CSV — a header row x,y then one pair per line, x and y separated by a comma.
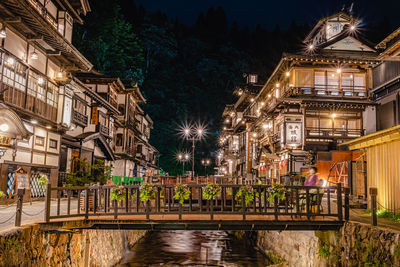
x,y
205,163
193,133
183,157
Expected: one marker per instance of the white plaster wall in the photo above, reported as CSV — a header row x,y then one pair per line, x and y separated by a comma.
x,y
15,45
52,160
369,120
23,156
38,158
119,168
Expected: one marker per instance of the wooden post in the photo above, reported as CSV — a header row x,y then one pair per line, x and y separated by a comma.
x,y
180,211
18,214
243,207
115,209
147,211
86,203
339,202
47,203
373,191
211,209
346,204
126,200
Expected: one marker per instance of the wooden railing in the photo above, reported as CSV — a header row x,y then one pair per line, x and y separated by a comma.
x,y
335,133
299,203
326,90
79,118
103,130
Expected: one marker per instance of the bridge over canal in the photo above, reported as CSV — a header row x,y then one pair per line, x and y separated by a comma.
x,y
300,208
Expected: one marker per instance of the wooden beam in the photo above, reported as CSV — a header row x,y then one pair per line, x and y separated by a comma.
x,y
35,38
53,53
13,20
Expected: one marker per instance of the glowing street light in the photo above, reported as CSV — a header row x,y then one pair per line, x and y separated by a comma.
x,y
205,163
193,133
183,157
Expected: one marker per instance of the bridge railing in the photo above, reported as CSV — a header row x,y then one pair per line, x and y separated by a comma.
x,y
262,201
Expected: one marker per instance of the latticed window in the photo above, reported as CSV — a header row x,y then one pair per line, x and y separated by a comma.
x,y
304,78
52,101
14,78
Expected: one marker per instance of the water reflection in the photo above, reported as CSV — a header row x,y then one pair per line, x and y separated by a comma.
x,y
193,248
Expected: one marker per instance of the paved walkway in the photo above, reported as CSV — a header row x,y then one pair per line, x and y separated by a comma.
x,y
31,213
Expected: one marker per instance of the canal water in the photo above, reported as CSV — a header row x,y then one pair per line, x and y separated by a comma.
x,y
193,248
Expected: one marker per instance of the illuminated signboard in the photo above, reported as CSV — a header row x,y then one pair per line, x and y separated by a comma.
x,y
294,133
5,140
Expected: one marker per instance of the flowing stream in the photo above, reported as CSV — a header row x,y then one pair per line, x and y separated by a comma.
x,y
193,248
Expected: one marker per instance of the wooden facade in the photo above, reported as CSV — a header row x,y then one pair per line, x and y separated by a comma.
x,y
41,79
314,100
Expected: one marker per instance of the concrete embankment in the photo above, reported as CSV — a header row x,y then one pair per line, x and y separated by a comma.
x,y
355,244
29,246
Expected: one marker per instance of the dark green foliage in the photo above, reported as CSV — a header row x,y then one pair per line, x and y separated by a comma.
x,y
109,42
88,173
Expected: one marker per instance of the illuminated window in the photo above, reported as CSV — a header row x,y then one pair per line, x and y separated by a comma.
x,y
39,140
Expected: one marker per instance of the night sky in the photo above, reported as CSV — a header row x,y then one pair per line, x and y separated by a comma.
x,y
269,13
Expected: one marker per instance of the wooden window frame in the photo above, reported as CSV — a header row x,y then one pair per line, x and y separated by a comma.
x,y
52,142
43,139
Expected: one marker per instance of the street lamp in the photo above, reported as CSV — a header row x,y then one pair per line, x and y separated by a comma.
x,y
205,163
183,157
193,133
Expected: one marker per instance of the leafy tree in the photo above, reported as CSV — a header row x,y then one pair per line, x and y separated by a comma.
x,y
109,42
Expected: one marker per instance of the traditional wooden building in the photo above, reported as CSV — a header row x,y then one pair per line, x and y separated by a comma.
x,y
91,124
234,155
36,60
125,142
315,100
146,154
381,150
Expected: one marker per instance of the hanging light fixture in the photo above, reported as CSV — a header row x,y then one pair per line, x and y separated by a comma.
x,y
34,55
3,33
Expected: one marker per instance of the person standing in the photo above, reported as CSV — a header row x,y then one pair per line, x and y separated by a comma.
x,y
312,178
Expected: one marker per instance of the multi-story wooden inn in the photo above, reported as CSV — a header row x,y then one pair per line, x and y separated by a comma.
x,y
54,109
313,101
36,57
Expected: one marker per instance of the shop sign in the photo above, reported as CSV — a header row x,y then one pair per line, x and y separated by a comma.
x,y
22,178
294,134
67,111
95,116
5,140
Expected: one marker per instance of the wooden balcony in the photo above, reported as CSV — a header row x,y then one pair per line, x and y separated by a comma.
x,y
125,151
328,91
79,119
103,130
333,133
43,11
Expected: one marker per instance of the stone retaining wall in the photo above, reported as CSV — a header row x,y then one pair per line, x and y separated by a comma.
x,y
355,244
28,246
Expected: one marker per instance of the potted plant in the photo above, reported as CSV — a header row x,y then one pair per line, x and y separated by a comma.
x,y
86,174
118,193
147,192
276,190
248,192
182,193
211,191
43,181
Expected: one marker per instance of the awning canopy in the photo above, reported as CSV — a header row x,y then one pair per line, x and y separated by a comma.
x,y
11,124
380,137
101,142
